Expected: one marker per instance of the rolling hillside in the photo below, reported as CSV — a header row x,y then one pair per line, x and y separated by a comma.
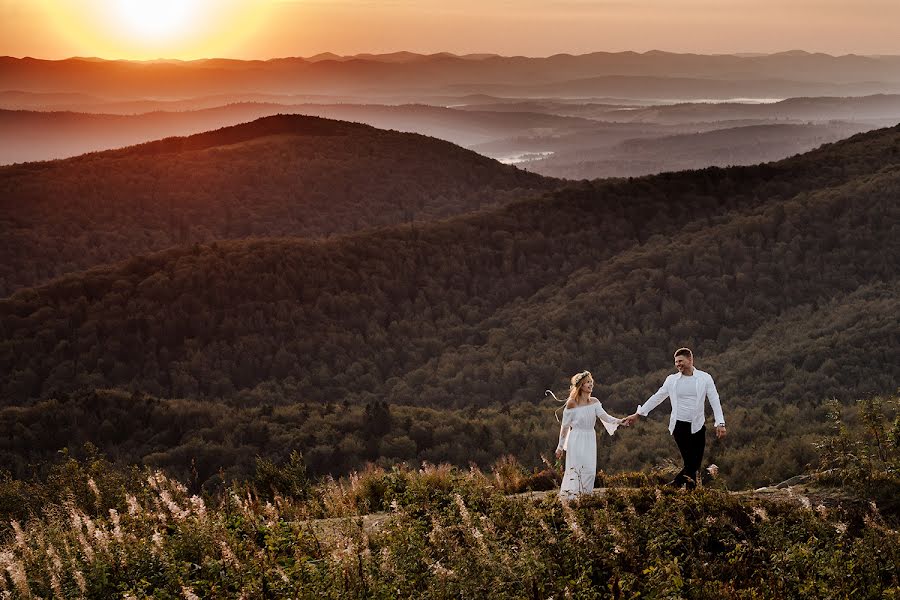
x,y
721,147
783,277
32,135
285,175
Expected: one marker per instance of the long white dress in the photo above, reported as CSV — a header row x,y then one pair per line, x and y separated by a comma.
x,y
578,439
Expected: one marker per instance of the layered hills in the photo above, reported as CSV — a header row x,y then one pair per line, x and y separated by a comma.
x,y
783,277
284,175
721,147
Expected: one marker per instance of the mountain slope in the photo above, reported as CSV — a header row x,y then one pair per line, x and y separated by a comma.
x,y
30,135
783,278
722,147
371,308
280,175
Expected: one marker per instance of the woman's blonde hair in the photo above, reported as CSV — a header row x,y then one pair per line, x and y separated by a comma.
x,y
575,384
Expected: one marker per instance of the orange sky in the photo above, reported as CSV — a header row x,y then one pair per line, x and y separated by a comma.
x,y
187,29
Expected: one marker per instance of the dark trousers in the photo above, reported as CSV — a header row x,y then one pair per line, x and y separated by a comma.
x,y
691,446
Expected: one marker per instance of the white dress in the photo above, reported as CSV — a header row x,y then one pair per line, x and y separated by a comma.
x,y
578,439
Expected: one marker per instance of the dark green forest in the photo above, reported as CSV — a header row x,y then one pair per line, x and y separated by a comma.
x,y
286,175
782,277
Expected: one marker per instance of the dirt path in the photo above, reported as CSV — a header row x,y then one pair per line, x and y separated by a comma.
x,y
793,490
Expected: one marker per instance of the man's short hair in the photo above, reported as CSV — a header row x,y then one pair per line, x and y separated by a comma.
x,y
684,352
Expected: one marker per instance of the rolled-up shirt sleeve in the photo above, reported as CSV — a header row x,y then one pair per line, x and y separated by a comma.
x,y
653,401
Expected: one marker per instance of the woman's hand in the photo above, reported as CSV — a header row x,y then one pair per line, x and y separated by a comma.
x,y
559,453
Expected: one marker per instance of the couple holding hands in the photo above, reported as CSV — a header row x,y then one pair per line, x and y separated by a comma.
x,y
687,390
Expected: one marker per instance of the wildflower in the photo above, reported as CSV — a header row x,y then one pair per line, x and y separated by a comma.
x,y
93,485
463,511
79,580
156,538
227,554
89,524
117,530
440,570
20,535
160,512
134,507
546,529
76,519
189,593
54,558
387,562
16,572
823,512
840,527
102,539
713,470
760,513
805,502
55,585
198,506
572,521
86,547
173,507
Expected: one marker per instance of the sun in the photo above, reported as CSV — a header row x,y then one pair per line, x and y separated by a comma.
x,y
155,20
153,29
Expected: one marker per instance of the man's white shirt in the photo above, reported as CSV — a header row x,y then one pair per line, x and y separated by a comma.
x,y
694,407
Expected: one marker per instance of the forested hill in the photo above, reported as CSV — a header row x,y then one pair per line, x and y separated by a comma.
x,y
628,268
285,175
783,277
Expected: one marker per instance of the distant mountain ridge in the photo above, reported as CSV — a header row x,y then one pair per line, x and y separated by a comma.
x,y
801,73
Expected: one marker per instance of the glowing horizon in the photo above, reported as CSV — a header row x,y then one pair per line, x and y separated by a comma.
x,y
262,29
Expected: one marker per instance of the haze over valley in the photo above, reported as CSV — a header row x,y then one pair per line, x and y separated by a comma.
x,y
579,117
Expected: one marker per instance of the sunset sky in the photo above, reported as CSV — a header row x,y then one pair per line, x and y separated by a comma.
x,y
188,29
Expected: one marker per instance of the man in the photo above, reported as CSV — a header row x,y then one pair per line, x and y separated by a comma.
x,y
687,391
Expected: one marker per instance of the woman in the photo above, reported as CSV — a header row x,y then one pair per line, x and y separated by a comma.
x,y
577,437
